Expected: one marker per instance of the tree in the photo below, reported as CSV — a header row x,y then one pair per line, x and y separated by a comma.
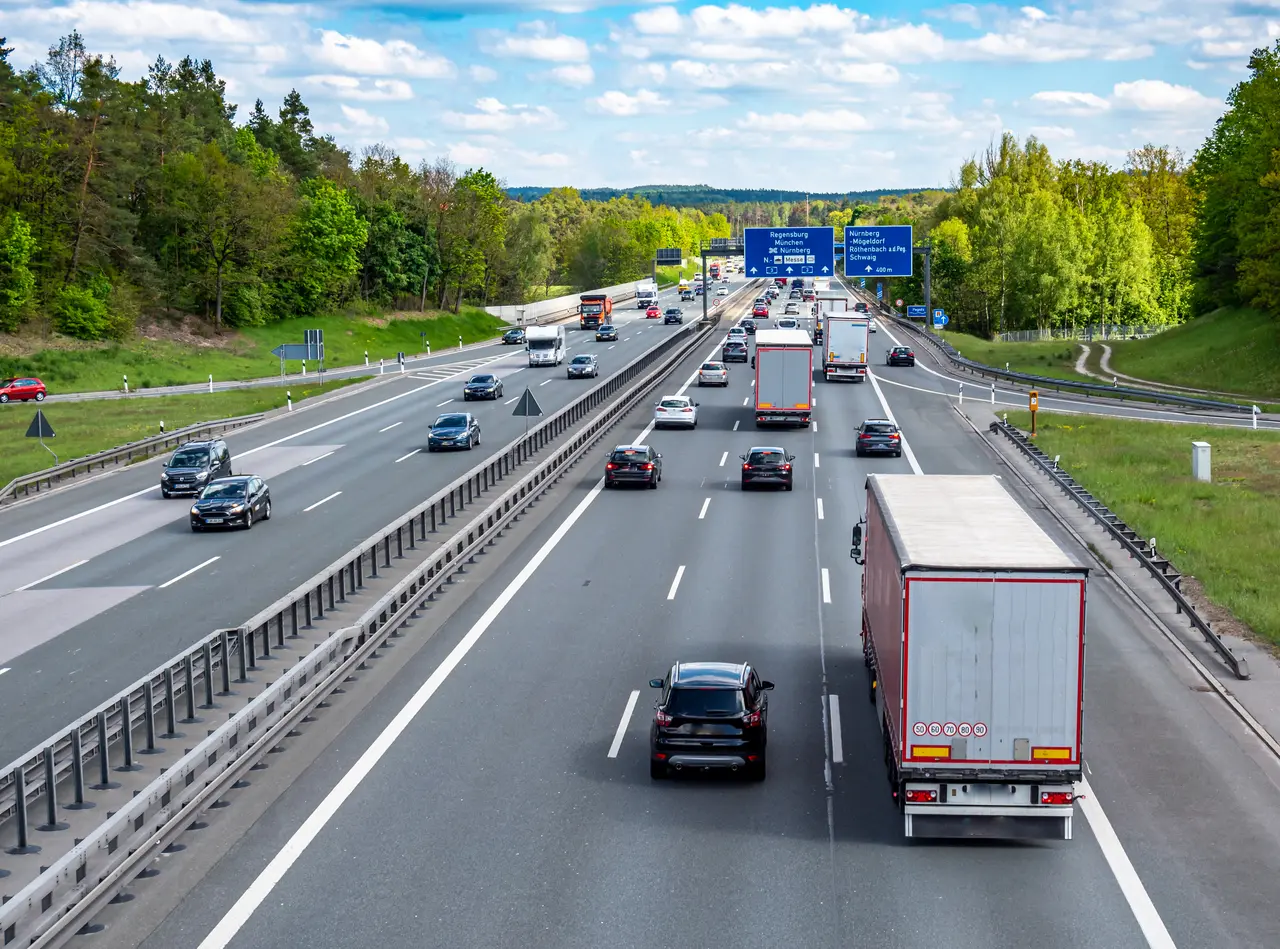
x,y
324,243
17,282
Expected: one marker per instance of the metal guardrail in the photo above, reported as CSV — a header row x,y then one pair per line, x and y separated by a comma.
x,y
1145,553
59,475
130,719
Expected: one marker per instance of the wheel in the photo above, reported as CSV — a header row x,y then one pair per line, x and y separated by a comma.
x,y
39,396
477,441
266,511
858,452
653,484
470,444
756,772
4,397
897,454
248,519
788,487
657,770
430,448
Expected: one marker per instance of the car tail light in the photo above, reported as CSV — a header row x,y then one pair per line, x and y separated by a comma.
x,y
752,720
922,797
895,436
648,466
662,718
912,355
1057,797
686,410
746,467
862,435
786,467
610,466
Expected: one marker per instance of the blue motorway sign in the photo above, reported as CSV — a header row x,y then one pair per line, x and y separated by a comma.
x,y
862,282
940,318
789,251
917,310
879,290
877,250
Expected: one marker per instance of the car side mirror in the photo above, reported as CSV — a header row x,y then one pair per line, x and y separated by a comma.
x,y
655,683
658,455
766,685
743,457
791,457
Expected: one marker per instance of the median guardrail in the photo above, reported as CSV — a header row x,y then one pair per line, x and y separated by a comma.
x,y
1145,553
109,739
68,471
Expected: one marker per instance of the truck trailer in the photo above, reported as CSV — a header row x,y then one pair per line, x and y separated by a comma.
x,y
784,377
845,346
973,632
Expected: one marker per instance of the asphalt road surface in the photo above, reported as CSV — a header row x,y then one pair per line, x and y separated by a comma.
x,y
102,583
508,801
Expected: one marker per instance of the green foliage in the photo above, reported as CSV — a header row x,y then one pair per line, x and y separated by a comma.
x,y
324,244
81,311
17,282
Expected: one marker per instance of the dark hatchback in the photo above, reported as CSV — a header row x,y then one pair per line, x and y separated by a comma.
x,y
512,337
455,430
195,465
482,386
879,436
748,324
232,502
900,356
673,314
711,715
633,464
734,352
767,466
606,333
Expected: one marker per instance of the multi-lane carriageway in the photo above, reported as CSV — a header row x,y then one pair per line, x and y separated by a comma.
x,y
495,792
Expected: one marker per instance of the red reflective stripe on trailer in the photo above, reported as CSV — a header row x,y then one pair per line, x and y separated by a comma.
x,y
906,652
1080,676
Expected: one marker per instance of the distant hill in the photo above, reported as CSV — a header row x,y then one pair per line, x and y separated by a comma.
x,y
693,195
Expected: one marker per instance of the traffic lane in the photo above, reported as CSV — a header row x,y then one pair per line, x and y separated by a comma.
x,y
1192,796
115,597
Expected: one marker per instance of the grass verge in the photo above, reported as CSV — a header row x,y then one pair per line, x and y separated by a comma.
x,y
246,354
83,428
1054,358
1222,533
1228,350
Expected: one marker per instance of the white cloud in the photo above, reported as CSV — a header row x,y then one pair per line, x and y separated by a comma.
x,y
465,153
663,21
363,90
1156,95
1053,133
363,121
1071,103
874,74
544,160
641,157
483,73
727,50
536,41
1034,13
774,23
830,119
909,42
142,20
354,54
619,103
729,76
494,116
965,13
580,74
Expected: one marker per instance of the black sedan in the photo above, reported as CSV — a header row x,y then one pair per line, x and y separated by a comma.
x,y
710,716
879,436
232,502
513,337
482,386
766,465
633,464
455,430
606,333
900,356
673,314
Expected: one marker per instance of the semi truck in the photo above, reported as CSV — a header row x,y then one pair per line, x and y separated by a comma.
x,y
594,309
646,295
845,346
784,377
973,632
545,345
715,271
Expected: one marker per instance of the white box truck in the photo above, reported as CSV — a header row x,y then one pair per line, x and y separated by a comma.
x,y
973,629
845,346
784,377
646,295
545,345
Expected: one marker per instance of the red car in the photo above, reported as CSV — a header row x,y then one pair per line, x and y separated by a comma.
x,y
760,310
652,313
22,390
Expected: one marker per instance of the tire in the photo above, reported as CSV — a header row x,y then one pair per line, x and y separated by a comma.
x,y
897,454
39,396
657,770
858,452
248,519
787,486
266,511
653,484
4,397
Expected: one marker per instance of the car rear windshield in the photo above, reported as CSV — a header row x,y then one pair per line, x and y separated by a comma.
x,y
674,403
220,491
630,454
451,421
902,350
767,457
482,380
713,366
879,429
581,360
189,459
735,347
705,703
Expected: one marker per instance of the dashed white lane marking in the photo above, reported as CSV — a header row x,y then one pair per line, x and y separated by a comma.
x,y
4,670
544,382
441,405
56,573
837,737
826,585
509,401
389,427
318,458
675,584
403,457
736,424
187,573
723,459
622,725
321,501
817,463
703,513
821,515
747,400
814,425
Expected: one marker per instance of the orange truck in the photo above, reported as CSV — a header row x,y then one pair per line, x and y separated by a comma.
x,y
594,309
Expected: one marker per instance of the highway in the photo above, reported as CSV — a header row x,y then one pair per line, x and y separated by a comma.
x,y
515,806
101,583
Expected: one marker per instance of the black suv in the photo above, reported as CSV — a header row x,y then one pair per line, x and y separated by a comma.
x,y
633,464
879,436
193,466
710,715
733,351
767,466
673,314
900,356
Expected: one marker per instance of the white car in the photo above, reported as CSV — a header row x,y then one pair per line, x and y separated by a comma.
x,y
873,325
713,374
675,410
722,292
788,323
791,309
737,334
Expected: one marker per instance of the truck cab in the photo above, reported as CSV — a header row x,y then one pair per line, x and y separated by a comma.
x,y
594,310
646,296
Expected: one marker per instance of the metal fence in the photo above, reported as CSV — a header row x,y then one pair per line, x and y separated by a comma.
x,y
1086,334
131,722
1145,552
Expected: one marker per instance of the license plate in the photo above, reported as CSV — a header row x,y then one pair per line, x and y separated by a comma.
x,y
214,520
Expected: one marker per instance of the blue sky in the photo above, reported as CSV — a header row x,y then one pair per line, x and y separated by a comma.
x,y
818,96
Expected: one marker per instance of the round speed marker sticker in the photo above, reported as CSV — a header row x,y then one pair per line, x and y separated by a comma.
x,y
949,729
965,729
935,729
919,728
979,730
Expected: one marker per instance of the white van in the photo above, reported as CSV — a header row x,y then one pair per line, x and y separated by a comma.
x,y
545,345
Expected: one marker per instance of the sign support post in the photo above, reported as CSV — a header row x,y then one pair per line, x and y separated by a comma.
x,y
1034,400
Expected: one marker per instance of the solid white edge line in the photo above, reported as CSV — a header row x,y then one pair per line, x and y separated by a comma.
x,y
389,427
888,413
1144,911
675,584
837,737
723,459
318,458
403,457
187,573
826,585
703,513
4,670
622,725
56,573
321,501
821,514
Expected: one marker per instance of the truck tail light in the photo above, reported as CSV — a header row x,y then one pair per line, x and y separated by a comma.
x,y
1057,797
922,797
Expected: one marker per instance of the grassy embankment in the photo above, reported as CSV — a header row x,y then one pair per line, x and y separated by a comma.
x,y
68,366
82,428
1055,358
1223,533
1227,350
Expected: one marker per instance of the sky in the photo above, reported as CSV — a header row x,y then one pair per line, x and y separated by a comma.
x,y
752,94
